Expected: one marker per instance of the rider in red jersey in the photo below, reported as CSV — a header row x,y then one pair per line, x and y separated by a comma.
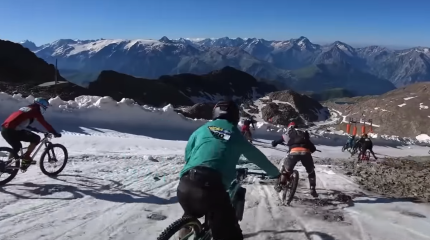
x,y
246,130
14,128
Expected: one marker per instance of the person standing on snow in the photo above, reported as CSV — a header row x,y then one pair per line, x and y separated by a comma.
x,y
246,131
300,149
14,129
211,155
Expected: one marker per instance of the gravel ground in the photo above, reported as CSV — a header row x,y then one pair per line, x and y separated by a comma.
x,y
406,177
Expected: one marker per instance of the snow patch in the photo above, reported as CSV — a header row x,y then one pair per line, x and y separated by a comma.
x,y
423,138
401,105
423,106
409,98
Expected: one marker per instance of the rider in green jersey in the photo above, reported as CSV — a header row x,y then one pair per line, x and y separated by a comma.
x,y
211,155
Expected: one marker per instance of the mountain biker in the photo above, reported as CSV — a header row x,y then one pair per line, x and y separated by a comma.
x,y
211,155
16,128
350,142
246,131
366,144
300,149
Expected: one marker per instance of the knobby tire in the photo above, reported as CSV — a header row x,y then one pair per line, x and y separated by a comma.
x,y
173,228
291,188
45,153
14,172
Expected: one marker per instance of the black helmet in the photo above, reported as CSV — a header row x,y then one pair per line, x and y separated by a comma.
x,y
227,110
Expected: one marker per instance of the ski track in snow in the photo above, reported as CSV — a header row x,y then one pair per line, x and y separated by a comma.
x,y
108,189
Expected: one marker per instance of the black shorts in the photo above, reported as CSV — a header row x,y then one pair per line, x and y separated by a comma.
x,y
14,138
204,194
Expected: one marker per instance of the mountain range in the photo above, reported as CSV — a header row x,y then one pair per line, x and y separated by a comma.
x,y
264,59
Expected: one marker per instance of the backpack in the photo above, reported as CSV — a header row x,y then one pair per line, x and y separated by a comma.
x,y
298,137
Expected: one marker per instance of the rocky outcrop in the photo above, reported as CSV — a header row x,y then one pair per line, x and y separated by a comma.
x,y
280,114
199,111
307,107
20,65
21,71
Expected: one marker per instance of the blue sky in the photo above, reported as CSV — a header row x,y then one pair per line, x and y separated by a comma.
x,y
396,22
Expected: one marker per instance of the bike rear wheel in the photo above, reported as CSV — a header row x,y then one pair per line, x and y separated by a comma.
x,y
12,172
290,189
184,222
51,158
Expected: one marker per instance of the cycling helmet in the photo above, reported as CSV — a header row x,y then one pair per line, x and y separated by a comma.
x,y
227,110
292,125
43,103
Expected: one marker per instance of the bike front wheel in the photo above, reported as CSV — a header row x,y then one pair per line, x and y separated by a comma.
x,y
50,155
184,222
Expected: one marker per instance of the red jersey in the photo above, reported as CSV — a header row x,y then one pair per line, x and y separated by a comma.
x,y
245,128
24,117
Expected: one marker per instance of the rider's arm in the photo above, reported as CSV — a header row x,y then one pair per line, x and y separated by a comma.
x,y
258,158
33,129
311,146
39,117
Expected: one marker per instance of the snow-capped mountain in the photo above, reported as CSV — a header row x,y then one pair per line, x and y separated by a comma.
x,y
259,57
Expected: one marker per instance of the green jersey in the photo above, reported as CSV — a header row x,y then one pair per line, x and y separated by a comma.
x,y
218,145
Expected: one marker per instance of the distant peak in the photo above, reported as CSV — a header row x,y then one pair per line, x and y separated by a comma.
x,y
164,39
28,44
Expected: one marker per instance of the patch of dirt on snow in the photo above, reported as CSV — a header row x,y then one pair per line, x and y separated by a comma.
x,y
394,177
328,206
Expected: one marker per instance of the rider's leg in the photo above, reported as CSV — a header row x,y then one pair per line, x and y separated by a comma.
x,y
12,137
188,197
362,152
371,151
288,165
203,192
308,163
34,139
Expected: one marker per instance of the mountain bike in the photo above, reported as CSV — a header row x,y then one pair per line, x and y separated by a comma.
x,y
345,147
201,231
13,164
365,157
289,188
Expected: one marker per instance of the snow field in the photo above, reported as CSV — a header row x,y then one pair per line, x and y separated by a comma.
x,y
121,178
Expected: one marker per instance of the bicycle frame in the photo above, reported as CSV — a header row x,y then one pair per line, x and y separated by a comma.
x,y
45,141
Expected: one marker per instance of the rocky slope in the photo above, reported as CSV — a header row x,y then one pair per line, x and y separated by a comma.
x,y
259,57
279,108
181,89
403,112
22,71
400,177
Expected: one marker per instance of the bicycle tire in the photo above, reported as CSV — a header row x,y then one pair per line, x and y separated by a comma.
x,y
177,225
343,148
294,185
14,172
42,157
291,188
